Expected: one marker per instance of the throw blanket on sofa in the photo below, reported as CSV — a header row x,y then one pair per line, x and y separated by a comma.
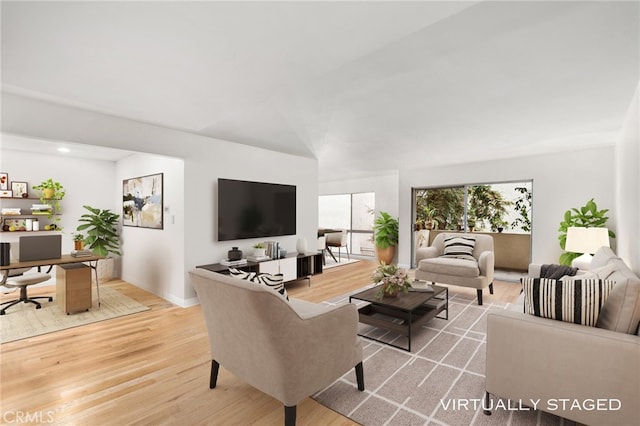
x,y
555,272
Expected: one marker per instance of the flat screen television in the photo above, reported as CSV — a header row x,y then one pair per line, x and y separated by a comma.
x,y
255,209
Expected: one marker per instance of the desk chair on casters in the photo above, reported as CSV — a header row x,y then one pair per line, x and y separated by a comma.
x,y
18,279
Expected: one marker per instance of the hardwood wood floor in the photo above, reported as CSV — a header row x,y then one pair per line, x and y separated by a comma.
x,y
153,367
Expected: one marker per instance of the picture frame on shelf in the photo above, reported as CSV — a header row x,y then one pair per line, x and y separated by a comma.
x,y
4,181
20,189
6,193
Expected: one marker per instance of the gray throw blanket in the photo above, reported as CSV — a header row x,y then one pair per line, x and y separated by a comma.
x,y
555,272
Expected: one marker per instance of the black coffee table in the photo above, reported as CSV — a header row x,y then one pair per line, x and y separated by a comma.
x,y
402,313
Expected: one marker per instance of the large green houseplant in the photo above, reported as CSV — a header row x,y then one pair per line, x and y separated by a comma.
x,y
587,216
385,229
101,231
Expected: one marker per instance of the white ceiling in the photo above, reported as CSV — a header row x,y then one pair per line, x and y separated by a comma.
x,y
365,87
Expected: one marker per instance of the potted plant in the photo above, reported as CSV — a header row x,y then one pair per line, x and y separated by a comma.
x,y
259,249
587,216
78,241
429,217
102,232
102,238
391,280
51,192
385,229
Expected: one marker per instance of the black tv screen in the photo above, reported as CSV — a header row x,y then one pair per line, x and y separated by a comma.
x,y
255,210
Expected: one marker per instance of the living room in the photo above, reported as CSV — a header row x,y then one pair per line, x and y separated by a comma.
x,y
574,161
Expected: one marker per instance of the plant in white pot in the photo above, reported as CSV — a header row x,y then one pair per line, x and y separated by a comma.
x,y
101,227
259,249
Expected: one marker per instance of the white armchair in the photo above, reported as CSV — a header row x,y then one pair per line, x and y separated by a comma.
x,y
439,265
286,349
339,240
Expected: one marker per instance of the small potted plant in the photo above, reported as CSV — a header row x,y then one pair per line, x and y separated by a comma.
x,y
78,241
259,249
429,217
391,280
51,192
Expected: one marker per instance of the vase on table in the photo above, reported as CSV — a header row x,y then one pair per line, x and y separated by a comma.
x,y
301,246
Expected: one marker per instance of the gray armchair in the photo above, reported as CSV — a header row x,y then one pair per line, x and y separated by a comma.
x,y
286,349
477,272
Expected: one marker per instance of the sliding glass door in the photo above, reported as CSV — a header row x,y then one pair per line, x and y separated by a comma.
x,y
502,209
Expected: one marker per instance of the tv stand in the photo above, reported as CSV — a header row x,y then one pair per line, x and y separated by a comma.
x,y
305,266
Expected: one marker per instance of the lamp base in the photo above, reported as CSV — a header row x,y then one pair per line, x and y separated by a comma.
x,y
583,262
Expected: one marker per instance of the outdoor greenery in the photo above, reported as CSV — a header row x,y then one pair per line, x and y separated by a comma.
x,y
102,231
523,207
444,205
487,208
587,216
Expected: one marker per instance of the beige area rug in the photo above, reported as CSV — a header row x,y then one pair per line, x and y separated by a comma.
x,y
330,263
441,382
23,320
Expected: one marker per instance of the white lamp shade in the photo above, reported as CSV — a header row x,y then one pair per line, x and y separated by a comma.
x,y
586,240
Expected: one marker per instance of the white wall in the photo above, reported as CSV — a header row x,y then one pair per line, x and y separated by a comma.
x,y
205,159
87,182
234,161
153,259
628,186
560,182
385,187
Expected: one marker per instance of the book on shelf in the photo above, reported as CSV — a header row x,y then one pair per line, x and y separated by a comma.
x,y
435,303
227,262
81,253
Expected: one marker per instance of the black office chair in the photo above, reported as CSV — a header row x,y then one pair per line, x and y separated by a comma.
x,y
18,279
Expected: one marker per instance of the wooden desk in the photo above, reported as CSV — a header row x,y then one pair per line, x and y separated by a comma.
x,y
64,259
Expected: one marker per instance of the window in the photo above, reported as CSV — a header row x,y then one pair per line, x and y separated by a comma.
x,y
488,207
501,209
353,212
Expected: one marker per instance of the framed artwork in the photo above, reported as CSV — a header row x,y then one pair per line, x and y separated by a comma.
x,y
20,189
142,204
4,181
6,194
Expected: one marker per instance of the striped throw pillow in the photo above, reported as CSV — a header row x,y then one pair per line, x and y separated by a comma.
x,y
576,301
274,282
459,247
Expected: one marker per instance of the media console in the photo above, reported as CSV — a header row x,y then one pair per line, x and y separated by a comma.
x,y
293,266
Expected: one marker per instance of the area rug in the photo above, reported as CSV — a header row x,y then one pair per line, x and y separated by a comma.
x,y
331,264
23,320
441,382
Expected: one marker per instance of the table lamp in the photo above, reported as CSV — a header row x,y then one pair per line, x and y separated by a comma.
x,y
586,241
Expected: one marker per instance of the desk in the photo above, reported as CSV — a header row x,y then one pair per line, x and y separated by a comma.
x,y
64,259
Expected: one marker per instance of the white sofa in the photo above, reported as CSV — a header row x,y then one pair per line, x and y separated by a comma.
x,y
587,374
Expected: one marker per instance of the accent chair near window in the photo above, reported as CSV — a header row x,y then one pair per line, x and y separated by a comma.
x,y
462,259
